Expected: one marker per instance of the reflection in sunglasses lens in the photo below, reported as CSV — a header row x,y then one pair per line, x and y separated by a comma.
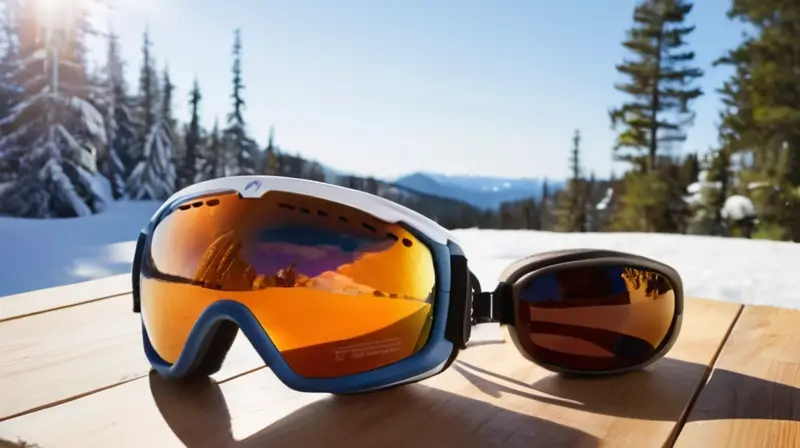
x,y
595,318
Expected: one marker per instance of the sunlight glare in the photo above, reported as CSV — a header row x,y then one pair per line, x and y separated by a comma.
x,y
54,11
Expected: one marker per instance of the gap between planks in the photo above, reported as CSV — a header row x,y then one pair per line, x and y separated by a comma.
x,y
679,425
57,298
751,397
58,345
58,308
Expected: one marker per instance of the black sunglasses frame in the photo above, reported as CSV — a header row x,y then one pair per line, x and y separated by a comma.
x,y
502,305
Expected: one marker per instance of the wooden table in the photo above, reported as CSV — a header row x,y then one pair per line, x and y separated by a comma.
x,y
72,374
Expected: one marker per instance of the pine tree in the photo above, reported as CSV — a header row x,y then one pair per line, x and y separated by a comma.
x,y
10,90
572,201
193,139
147,99
593,223
51,131
690,168
154,177
240,149
660,86
317,173
761,119
719,174
116,163
8,61
575,156
544,209
271,164
167,117
659,83
213,160
166,100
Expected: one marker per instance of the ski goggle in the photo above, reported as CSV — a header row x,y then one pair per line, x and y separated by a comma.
x,y
341,291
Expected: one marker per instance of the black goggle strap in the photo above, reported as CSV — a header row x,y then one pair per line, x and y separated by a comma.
x,y
135,270
495,306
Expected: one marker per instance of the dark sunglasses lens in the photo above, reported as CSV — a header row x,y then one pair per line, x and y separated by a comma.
x,y
596,318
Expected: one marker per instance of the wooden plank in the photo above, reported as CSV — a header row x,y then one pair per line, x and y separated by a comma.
x,y
490,397
752,396
51,357
33,302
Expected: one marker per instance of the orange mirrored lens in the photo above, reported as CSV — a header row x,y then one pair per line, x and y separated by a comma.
x,y
595,318
338,291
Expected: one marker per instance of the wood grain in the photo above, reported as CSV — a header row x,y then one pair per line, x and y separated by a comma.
x,y
51,357
751,397
19,305
491,396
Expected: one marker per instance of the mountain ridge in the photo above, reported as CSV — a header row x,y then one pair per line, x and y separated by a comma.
x,y
484,192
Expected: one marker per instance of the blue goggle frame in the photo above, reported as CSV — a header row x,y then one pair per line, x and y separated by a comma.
x,y
215,330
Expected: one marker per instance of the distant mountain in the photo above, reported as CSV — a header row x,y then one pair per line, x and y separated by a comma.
x,y
485,192
482,192
449,212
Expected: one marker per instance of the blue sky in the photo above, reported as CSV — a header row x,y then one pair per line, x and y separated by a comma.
x,y
382,87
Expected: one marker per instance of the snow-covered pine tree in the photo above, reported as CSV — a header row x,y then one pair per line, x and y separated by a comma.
x,y
8,53
170,123
240,150
9,89
115,163
153,177
49,135
145,101
211,163
168,117
193,157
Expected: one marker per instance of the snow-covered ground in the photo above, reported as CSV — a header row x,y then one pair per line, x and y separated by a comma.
x,y
37,253
44,253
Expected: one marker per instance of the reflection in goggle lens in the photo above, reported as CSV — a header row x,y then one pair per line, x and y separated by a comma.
x,y
338,291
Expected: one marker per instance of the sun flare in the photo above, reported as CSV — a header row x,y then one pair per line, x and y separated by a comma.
x,y
54,12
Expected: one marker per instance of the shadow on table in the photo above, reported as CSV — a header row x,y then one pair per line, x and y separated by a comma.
x,y
417,415
18,444
424,416
658,394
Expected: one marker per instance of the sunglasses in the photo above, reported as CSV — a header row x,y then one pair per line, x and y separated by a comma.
x,y
342,291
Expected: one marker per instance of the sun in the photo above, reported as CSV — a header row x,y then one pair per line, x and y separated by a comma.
x,y
55,12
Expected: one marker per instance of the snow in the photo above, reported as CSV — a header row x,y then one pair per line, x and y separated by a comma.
x,y
603,204
695,189
736,270
100,187
46,253
758,185
92,119
738,207
53,170
41,253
